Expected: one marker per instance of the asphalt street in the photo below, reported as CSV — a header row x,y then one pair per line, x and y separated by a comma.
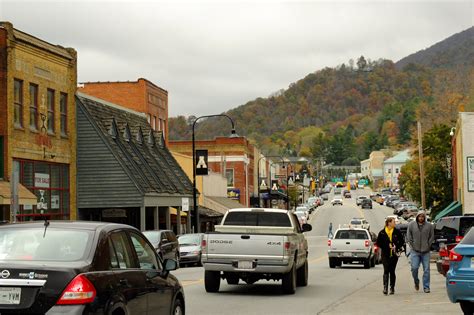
x,y
326,286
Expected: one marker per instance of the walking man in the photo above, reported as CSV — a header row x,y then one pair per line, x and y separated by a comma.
x,y
420,236
330,235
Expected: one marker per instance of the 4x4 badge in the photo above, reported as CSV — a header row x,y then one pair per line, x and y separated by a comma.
x,y
5,274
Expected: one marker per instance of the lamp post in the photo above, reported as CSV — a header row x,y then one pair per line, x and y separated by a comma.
x,y
196,223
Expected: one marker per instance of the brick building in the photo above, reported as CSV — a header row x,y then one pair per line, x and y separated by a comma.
x,y
142,96
37,124
232,157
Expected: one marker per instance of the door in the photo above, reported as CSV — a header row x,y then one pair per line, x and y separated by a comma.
x,y
159,289
132,285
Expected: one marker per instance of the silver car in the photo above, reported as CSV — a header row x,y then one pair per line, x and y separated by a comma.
x,y
190,249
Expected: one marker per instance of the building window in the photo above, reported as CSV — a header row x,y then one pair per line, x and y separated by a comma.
x,y
50,94
18,103
396,171
148,117
229,174
389,170
153,122
63,110
50,183
33,106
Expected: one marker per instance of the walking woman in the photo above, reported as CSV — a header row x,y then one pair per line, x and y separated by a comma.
x,y
391,242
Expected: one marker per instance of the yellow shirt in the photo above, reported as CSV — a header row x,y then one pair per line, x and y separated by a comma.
x,y
389,232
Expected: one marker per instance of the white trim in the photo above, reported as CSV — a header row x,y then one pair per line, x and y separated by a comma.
x,y
228,158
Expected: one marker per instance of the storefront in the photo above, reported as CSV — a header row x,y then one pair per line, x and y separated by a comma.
x,y
49,182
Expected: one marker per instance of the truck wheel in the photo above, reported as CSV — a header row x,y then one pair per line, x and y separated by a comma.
x,y
338,263
367,263
212,281
289,281
232,279
302,275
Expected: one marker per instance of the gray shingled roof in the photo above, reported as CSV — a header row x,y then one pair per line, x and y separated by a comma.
x,y
150,163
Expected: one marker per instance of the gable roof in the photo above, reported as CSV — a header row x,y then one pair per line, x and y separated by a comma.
x,y
149,163
401,157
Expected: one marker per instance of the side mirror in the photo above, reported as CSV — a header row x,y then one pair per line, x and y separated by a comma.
x,y
169,265
307,227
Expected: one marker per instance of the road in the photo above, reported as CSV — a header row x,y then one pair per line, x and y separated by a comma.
x,y
326,286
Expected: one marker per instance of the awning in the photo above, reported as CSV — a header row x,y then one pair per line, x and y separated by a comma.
x,y
25,197
220,204
454,208
174,211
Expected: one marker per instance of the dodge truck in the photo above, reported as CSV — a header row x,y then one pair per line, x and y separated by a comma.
x,y
255,244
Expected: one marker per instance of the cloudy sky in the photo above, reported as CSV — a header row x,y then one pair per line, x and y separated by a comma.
x,y
215,55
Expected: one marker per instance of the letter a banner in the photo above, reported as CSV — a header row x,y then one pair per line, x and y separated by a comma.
x,y
201,162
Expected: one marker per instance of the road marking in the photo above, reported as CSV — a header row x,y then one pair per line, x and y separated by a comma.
x,y
435,303
317,259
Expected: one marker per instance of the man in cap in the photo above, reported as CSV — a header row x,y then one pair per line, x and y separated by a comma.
x,y
420,236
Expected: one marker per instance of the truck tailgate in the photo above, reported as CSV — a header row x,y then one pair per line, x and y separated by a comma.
x,y
348,245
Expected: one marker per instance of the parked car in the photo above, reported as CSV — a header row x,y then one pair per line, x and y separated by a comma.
x,y
190,248
402,206
336,201
366,204
304,210
359,199
389,201
312,203
255,244
409,211
347,194
460,277
351,245
325,196
165,243
453,228
75,267
360,186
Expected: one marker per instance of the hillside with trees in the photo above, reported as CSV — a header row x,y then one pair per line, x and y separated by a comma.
x,y
341,114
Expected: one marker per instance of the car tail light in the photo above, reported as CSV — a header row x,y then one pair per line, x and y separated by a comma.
x,y
367,243
458,238
453,256
329,242
443,252
203,244
79,291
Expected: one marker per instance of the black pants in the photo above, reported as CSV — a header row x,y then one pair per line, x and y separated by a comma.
x,y
389,265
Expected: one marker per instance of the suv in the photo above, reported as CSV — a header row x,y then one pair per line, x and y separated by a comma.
x,y
453,229
366,203
165,243
351,245
359,200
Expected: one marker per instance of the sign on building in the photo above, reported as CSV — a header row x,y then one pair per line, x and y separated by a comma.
x,y
185,204
201,162
470,173
41,180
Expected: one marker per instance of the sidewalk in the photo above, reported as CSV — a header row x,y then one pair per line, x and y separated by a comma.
x,y
370,299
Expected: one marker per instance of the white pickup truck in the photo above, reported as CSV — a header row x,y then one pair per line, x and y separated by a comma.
x,y
255,244
351,245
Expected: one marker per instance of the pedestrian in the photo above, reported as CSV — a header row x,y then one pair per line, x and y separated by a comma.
x,y
390,240
420,236
330,235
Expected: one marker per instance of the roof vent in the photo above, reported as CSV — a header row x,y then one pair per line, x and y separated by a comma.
x,y
113,129
140,135
126,133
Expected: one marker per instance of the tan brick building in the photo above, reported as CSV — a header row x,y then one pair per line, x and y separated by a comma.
x,y
141,95
38,82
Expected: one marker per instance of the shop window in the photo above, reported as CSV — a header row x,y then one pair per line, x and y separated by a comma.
x,y
18,103
63,110
229,174
51,106
33,107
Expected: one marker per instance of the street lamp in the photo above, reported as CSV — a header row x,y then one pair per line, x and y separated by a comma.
x,y
233,134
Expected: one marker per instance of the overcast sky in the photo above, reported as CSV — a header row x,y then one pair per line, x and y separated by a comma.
x,y
215,55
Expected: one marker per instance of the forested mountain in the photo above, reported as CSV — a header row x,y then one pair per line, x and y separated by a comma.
x,y
344,113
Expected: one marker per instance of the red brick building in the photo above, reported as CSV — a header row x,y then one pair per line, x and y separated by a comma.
x,y
141,95
234,157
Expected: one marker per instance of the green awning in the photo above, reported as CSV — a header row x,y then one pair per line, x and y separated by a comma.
x,y
455,208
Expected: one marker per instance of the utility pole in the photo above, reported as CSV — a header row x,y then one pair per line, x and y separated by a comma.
x,y
422,171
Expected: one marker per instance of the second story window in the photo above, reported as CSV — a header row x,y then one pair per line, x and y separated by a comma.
x,y
33,107
63,110
51,111
18,103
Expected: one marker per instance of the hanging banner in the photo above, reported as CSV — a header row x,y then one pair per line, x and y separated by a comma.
x,y
201,162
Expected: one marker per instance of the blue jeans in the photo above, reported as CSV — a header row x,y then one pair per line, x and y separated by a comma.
x,y
424,259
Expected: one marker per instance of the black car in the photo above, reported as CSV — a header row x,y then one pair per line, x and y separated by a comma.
x,y
452,229
366,203
74,267
165,242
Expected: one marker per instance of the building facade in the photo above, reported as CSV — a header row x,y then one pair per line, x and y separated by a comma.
x,y
232,157
142,96
37,123
393,166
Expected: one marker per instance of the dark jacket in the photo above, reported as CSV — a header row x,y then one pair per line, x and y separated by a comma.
x,y
383,241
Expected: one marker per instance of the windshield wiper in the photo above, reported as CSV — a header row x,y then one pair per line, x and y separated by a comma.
x,y
46,224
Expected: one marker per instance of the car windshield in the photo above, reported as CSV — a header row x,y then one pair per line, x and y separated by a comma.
x,y
465,224
362,197
152,236
189,239
351,234
356,222
36,244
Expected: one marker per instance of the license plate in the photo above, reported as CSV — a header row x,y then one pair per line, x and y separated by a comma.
x,y
347,254
245,265
472,262
10,295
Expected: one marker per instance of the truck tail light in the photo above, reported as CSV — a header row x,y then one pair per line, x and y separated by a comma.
x,y
329,242
79,291
367,243
453,256
286,247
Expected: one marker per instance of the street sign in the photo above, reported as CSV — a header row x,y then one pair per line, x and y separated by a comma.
x,y
185,204
201,162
